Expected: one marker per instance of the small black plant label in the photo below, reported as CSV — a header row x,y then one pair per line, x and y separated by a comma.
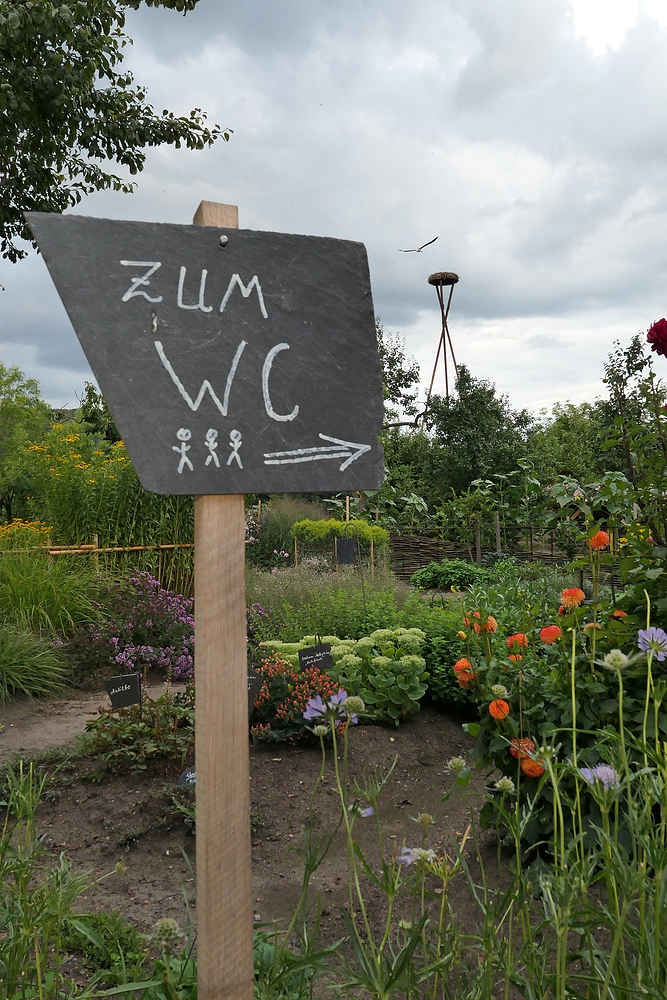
x,y
255,682
316,656
189,777
246,367
345,551
124,690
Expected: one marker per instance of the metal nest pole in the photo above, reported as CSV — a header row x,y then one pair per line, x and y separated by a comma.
x,y
440,280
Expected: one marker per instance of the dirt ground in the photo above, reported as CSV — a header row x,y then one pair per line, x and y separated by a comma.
x,y
129,819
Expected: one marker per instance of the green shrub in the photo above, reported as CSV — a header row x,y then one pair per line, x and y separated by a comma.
x,y
128,739
29,665
111,949
327,531
384,668
448,573
272,540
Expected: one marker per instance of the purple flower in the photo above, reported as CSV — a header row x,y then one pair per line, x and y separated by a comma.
x,y
653,640
368,811
331,710
603,773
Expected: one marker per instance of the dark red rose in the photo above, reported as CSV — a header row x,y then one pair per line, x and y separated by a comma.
x,y
657,337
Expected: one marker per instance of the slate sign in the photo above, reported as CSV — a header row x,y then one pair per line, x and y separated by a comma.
x,y
316,656
248,367
345,550
124,690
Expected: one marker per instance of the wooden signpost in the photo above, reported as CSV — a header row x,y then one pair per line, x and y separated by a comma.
x,y
233,361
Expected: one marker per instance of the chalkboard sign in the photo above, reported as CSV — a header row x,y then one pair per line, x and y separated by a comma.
x,y
124,690
189,777
316,656
345,550
236,364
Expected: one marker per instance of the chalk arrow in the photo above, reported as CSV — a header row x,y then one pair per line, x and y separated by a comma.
x,y
349,450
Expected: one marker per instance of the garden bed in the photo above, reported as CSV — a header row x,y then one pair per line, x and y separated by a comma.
x,y
101,819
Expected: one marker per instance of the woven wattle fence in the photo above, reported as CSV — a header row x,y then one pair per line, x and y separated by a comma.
x,y
408,553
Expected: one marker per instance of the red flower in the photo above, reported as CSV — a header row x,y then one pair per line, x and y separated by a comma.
x,y
490,625
521,748
550,633
499,709
617,613
462,664
657,337
599,540
515,657
572,597
519,639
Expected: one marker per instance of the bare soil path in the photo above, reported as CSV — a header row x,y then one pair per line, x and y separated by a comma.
x,y
99,819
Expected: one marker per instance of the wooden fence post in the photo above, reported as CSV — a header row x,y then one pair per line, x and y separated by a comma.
x,y
478,543
224,888
496,518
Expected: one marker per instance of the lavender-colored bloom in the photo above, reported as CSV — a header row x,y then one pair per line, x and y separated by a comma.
x,y
653,640
315,709
409,855
603,773
367,811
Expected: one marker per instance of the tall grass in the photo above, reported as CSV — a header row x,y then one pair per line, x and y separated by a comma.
x,y
305,601
29,665
49,595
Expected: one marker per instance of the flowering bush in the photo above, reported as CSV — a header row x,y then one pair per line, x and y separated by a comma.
x,y
565,678
19,534
146,627
385,669
278,712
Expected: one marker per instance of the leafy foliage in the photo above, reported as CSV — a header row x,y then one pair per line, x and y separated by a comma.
x,y
55,596
128,739
144,626
68,106
400,375
282,700
447,574
23,418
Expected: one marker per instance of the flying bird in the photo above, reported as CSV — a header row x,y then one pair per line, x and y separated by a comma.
x,y
419,249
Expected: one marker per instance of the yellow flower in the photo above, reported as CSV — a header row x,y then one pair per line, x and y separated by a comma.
x,y
91,480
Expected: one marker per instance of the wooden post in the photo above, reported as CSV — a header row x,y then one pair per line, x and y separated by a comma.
x,y
95,539
347,508
496,518
372,560
224,889
296,553
478,543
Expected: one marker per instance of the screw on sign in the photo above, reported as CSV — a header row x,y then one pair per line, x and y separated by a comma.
x,y
232,362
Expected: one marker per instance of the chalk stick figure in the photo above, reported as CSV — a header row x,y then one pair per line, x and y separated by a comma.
x,y
235,444
183,435
211,442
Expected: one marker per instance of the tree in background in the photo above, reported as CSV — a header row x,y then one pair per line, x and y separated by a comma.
x,y
24,416
570,442
67,107
400,375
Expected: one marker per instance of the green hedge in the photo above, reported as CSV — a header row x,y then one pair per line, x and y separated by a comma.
x,y
326,531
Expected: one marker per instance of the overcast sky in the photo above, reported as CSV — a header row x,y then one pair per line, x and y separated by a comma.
x,y
530,137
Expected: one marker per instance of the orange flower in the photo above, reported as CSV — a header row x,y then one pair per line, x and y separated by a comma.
x,y
572,598
591,627
515,657
462,635
617,613
532,768
490,625
561,610
519,639
550,633
462,664
599,540
499,709
521,748
465,678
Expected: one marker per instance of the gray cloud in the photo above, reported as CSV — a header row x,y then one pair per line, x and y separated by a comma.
x,y
541,167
